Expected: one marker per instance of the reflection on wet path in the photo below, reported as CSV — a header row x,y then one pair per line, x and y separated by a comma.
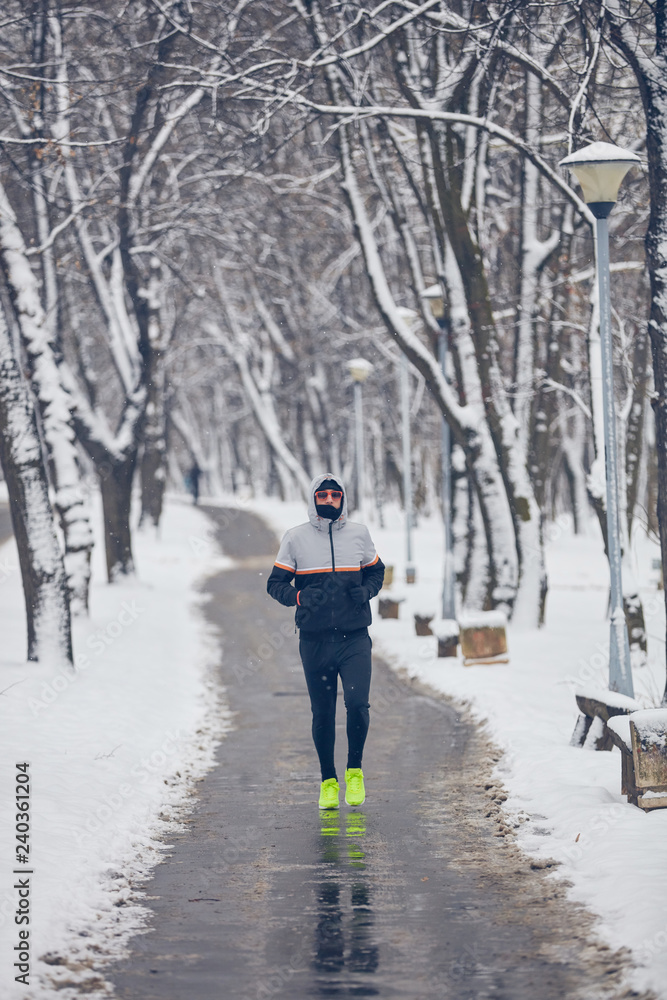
x,y
344,944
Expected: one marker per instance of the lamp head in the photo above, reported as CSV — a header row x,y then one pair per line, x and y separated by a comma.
x,y
436,301
359,369
600,168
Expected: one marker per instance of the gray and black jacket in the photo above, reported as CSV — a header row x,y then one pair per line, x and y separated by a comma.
x,y
327,557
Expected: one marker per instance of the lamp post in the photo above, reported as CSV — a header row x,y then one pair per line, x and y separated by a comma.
x,y
359,370
600,168
410,317
433,294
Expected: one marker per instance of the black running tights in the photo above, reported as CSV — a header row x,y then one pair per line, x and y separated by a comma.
x,y
323,663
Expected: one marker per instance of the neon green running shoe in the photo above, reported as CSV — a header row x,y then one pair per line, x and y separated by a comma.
x,y
329,794
355,793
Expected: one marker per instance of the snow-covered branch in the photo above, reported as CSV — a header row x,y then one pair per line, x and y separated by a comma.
x,y
352,113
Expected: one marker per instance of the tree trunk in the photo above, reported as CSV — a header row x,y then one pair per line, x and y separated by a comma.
x,y
153,460
71,500
534,254
468,425
475,593
116,488
651,476
573,446
635,447
40,558
503,428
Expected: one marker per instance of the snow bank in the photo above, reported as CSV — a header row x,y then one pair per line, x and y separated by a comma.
x,y
112,751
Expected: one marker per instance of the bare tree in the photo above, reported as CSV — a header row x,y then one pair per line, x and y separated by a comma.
x,y
40,558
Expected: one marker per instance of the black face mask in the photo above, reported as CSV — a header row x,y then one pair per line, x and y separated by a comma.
x,y
326,510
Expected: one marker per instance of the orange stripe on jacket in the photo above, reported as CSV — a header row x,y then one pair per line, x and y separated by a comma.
x,y
328,569
290,569
366,565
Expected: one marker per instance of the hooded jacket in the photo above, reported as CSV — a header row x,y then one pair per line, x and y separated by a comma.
x,y
317,564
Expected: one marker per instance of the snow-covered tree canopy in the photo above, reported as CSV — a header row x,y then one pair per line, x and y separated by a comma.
x,y
220,204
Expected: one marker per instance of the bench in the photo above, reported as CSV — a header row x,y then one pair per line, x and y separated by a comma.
x,y
423,623
642,739
388,606
446,631
483,637
596,708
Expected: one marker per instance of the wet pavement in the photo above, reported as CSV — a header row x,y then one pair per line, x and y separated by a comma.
x,y
420,894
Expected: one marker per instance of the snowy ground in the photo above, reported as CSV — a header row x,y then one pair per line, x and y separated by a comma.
x,y
114,750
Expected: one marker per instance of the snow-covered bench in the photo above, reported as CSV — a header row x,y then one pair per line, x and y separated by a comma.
x,y
642,739
597,707
423,621
446,631
483,637
389,603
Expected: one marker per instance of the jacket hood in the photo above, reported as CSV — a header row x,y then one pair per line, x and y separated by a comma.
x,y
322,523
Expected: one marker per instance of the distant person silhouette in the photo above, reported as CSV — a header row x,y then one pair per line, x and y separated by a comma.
x,y
192,482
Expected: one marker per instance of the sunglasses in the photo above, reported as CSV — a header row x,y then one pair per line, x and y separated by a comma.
x,y
323,494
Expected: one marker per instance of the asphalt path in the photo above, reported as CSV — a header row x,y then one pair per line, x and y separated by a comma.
x,y
420,894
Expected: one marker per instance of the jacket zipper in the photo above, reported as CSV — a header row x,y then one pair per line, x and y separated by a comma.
x,y
333,565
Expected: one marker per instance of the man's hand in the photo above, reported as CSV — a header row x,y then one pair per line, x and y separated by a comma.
x,y
310,597
359,594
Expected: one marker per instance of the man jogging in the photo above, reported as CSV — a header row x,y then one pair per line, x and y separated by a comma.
x,y
329,569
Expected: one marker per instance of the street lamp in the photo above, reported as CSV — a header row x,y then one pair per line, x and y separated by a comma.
x,y
359,370
600,168
433,294
410,317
